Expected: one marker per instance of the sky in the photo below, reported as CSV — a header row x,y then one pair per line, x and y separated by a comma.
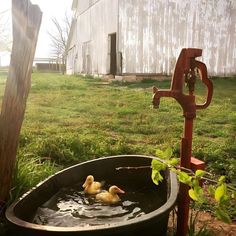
x,y
50,8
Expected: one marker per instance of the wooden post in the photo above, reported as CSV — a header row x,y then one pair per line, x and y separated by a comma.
x,y
26,20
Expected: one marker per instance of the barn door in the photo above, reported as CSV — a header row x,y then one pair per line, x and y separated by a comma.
x,y
111,54
84,58
86,61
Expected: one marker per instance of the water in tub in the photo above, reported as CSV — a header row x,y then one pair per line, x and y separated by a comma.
x,y
70,207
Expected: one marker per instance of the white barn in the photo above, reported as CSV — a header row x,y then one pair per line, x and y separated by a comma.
x,y
144,37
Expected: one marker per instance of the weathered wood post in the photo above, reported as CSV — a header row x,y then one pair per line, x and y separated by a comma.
x,y
26,20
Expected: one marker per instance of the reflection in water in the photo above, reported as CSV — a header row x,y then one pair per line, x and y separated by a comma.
x,y
71,207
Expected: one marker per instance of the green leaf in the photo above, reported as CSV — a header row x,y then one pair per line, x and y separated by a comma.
x,y
184,178
233,194
200,194
211,190
197,194
221,180
158,165
220,192
173,169
173,161
192,194
223,215
195,182
156,177
167,154
225,199
200,173
159,153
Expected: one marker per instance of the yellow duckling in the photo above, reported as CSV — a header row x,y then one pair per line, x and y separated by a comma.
x,y
110,196
90,186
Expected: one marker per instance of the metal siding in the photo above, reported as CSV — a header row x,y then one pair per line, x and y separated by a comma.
x,y
152,33
94,25
71,62
82,6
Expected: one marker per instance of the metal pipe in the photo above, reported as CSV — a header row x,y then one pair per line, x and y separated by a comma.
x,y
185,161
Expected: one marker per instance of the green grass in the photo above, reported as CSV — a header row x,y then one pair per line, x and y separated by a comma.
x,y
70,119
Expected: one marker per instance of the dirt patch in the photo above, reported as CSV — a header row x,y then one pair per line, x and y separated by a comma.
x,y
218,228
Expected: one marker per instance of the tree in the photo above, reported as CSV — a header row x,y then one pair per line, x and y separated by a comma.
x,y
59,39
26,23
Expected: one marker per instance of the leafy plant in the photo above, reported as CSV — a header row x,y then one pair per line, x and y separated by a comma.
x,y
218,194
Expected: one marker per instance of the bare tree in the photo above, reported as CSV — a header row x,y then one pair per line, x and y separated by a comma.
x,y
5,31
59,39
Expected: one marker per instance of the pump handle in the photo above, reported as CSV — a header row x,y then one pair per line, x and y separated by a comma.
x,y
203,75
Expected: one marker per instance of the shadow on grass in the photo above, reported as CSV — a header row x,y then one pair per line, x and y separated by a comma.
x,y
147,83
132,85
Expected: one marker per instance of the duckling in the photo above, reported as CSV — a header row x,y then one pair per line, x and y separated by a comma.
x,y
110,196
90,186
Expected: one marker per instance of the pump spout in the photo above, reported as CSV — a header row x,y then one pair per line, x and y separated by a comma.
x,y
157,94
187,102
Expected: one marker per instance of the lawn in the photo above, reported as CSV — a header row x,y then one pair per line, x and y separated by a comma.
x,y
71,119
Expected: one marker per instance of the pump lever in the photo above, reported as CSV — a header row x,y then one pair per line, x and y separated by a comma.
x,y
203,76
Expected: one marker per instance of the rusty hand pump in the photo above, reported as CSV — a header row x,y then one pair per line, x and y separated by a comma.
x,y
187,69
185,72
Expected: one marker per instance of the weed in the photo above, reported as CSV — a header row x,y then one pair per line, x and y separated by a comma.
x,y
29,171
193,231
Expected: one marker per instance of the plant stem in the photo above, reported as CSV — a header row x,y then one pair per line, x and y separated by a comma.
x,y
132,167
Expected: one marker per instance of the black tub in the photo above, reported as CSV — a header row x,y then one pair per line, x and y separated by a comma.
x,y
21,212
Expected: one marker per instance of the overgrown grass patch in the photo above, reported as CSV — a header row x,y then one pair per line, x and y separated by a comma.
x,y
29,171
70,119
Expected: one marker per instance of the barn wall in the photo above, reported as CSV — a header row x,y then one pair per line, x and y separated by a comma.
x,y
95,21
82,6
72,57
152,33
